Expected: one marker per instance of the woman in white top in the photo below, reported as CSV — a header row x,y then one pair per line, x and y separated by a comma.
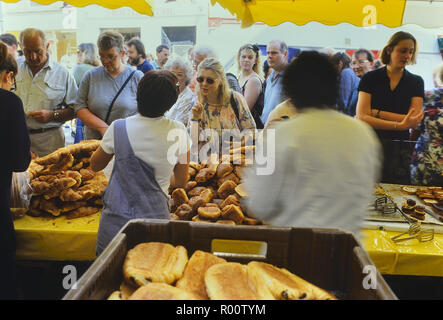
x,y
181,110
151,152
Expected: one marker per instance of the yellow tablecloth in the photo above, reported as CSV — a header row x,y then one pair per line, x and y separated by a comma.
x,y
410,257
56,239
59,239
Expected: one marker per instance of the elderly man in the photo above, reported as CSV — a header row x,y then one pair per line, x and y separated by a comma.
x,y
47,90
277,52
162,52
137,55
362,62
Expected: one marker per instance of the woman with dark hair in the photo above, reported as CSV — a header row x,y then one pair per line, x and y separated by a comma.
x,y
108,92
348,93
390,100
17,155
147,158
251,80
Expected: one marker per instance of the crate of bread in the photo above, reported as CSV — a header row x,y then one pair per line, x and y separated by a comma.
x,y
215,192
184,260
63,182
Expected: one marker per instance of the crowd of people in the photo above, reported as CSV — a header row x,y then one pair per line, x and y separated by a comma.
x,y
341,124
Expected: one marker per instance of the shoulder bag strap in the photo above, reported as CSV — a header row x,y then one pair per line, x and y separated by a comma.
x,y
116,96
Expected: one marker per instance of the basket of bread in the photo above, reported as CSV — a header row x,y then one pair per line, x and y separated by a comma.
x,y
63,183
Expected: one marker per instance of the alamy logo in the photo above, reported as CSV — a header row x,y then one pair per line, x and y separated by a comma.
x,y
370,281
70,281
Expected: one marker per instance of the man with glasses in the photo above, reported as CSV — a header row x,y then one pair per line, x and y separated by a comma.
x,y
277,57
362,62
48,92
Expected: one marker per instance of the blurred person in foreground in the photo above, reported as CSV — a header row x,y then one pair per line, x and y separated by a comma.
x,y
87,59
326,163
16,146
146,163
181,110
48,92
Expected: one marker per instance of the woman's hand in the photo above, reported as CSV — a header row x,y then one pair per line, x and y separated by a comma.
x,y
197,111
412,120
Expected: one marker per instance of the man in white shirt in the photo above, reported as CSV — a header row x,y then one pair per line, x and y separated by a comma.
x,y
48,92
326,163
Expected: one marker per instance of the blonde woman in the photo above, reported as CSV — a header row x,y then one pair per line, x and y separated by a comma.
x,y
217,107
251,80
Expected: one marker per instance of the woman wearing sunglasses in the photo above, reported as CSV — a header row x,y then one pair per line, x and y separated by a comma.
x,y
15,139
218,108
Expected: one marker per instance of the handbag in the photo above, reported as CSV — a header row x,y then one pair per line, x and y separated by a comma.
x,y
116,96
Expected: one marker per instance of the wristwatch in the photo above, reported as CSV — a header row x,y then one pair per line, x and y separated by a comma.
x,y
57,115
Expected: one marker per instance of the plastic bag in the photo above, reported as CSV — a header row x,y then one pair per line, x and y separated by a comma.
x,y
21,193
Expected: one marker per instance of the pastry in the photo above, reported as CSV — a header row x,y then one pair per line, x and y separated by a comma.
x,y
230,200
231,176
224,169
206,195
162,291
419,213
234,213
179,196
226,189
184,212
234,281
82,212
209,213
285,285
195,203
196,191
409,190
154,262
204,175
409,206
228,222
190,185
251,221
193,279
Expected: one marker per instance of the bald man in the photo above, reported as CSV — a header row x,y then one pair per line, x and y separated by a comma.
x,y
48,93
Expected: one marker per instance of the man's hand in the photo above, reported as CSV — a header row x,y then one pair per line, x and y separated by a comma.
x,y
42,116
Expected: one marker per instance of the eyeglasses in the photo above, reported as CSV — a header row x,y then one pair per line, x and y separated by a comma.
x,y
208,80
28,52
359,62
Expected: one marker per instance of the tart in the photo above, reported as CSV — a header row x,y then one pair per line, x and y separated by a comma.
x,y
419,213
409,190
409,206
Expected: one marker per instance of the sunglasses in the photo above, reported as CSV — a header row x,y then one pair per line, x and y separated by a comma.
x,y
208,80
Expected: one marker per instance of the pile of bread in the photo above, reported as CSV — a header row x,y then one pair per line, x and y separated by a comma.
x,y
160,271
214,191
63,183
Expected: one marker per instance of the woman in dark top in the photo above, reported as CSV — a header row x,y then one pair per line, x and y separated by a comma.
x,y
251,81
390,99
16,157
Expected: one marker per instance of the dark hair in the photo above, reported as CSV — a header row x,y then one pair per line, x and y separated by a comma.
x,y
136,42
368,54
9,39
265,68
343,57
161,47
311,80
157,92
7,61
385,56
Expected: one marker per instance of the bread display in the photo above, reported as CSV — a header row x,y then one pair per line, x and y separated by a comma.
x,y
63,183
217,185
160,271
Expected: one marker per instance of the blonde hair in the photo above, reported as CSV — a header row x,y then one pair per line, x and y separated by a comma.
x,y
385,56
256,50
224,93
